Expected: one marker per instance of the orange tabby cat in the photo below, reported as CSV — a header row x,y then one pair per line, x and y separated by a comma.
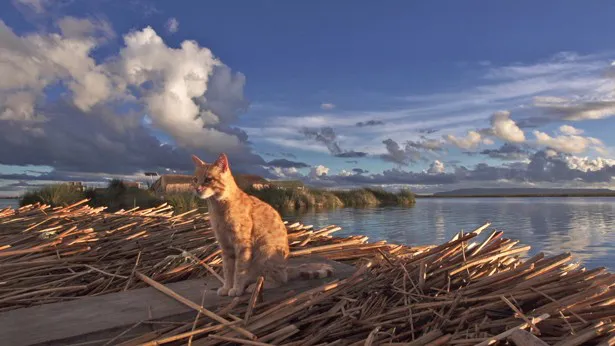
x,y
251,234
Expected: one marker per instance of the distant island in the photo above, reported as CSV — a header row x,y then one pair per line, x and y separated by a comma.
x,y
520,192
177,191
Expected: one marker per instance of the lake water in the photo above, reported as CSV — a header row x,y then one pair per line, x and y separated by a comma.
x,y
583,226
8,203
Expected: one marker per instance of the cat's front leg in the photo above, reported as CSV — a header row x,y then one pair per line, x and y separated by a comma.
x,y
242,269
228,266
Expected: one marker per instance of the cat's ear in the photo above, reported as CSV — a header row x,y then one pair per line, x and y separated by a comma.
x,y
222,162
197,161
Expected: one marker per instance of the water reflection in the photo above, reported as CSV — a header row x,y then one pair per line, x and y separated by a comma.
x,y
553,225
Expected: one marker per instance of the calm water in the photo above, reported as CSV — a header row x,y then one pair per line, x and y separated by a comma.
x,y
8,203
583,226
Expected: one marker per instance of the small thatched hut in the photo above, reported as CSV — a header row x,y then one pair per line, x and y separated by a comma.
x,y
176,183
245,181
172,183
288,184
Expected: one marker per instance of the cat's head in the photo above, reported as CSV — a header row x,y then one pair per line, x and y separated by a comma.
x,y
211,179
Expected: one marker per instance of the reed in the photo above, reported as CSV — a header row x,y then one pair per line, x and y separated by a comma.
x,y
476,288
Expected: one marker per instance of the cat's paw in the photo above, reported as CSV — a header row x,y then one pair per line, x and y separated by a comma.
x,y
250,289
223,291
235,292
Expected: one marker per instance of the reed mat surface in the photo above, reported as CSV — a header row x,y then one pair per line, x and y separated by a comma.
x,y
479,288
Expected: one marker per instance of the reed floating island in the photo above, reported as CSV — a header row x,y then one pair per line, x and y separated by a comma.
x,y
479,288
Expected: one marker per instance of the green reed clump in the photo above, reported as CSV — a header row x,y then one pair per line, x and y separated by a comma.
x,y
303,198
185,201
55,195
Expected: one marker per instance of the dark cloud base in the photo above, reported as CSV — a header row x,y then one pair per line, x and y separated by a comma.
x,y
542,168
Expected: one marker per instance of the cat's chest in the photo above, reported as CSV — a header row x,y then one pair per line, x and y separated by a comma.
x,y
224,220
224,223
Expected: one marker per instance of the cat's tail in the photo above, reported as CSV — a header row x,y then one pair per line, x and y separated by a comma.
x,y
309,271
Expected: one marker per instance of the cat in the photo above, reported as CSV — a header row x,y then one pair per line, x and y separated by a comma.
x,y
251,234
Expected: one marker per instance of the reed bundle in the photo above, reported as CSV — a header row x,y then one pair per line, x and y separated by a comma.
x,y
476,289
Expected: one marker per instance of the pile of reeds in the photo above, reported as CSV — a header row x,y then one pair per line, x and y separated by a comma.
x,y
464,292
54,254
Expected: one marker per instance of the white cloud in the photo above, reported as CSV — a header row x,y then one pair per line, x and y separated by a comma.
x,y
570,130
488,141
32,62
506,128
571,144
587,164
470,141
550,153
327,106
436,167
187,92
595,106
19,106
71,27
172,25
285,172
317,171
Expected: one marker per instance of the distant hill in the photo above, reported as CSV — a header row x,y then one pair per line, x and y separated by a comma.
x,y
523,192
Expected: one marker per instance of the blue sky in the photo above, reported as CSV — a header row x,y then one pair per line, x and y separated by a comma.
x,y
449,94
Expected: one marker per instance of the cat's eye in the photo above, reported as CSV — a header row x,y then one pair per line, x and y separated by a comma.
x,y
195,180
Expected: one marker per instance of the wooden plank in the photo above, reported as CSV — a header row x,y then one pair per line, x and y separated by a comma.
x,y
51,323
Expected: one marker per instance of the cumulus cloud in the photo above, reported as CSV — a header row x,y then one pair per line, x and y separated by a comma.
x,y
172,25
81,28
327,106
586,164
177,82
436,167
186,92
360,171
507,151
426,144
31,63
571,144
398,155
470,141
328,137
318,171
285,172
506,128
570,130
541,168
412,151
